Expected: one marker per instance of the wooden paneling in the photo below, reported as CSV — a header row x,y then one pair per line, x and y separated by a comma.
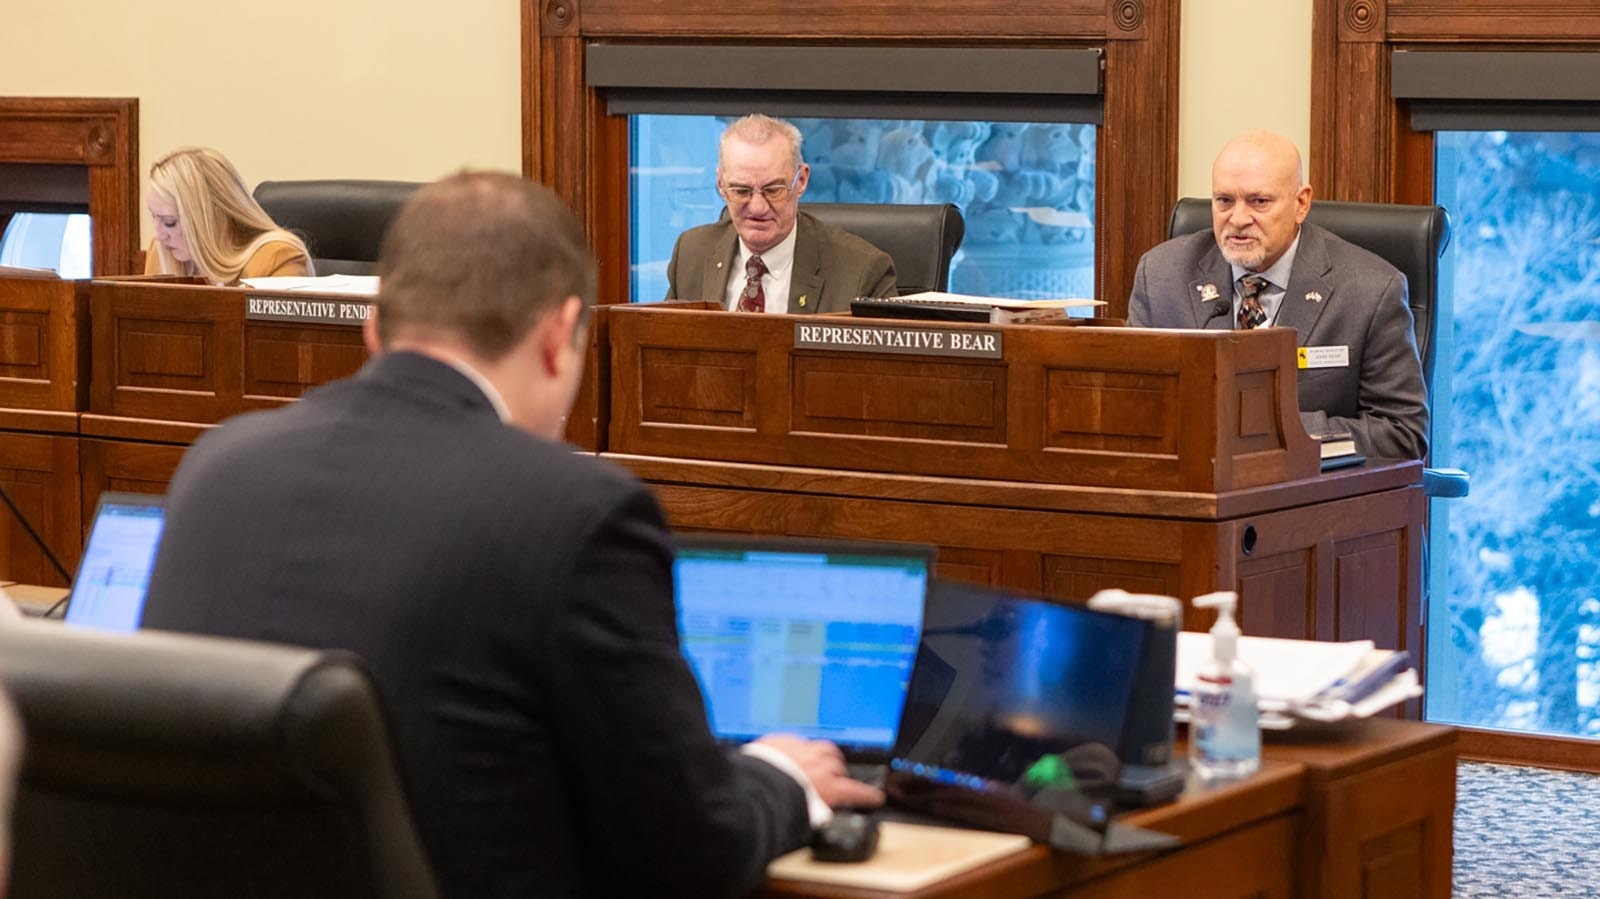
x,y
44,346
126,467
570,143
1209,407
39,472
188,353
101,135
1025,471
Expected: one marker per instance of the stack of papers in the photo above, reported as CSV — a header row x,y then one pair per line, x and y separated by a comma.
x,y
1307,679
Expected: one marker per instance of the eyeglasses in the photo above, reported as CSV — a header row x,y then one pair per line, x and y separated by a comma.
x,y
774,193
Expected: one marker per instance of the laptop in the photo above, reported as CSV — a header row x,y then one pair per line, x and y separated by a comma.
x,y
814,638
108,592
1009,687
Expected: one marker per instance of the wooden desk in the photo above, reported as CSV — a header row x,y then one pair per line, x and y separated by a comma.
x,y
1168,462
1363,815
44,380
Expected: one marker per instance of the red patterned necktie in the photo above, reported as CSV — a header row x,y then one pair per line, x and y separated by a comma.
x,y
1251,315
754,299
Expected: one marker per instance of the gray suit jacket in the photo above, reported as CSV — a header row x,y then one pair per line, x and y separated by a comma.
x,y
831,266
1338,295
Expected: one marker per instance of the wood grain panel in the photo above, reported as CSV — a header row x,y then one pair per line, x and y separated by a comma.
x,y
1101,410
1036,19
44,345
1258,862
24,353
708,385
101,135
40,474
125,466
1277,596
1080,577
284,362
914,399
165,355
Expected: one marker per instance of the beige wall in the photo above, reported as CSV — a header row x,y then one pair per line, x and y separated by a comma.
x,y
407,90
288,89
1243,64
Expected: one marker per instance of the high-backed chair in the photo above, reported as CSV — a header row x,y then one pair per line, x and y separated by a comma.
x,y
162,765
1411,238
921,239
341,221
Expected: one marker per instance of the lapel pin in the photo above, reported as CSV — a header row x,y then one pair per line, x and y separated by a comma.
x,y
802,301
719,265
1208,292
1314,297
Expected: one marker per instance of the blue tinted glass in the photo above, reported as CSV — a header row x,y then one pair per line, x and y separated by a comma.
x,y
1026,191
57,241
1514,628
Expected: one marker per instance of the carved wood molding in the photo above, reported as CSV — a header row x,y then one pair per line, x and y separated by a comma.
x,y
559,17
1362,146
103,136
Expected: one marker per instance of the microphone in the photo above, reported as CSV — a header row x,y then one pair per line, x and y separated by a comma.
x,y
1218,309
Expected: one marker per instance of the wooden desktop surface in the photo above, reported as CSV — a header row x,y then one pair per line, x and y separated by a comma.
x,y
1361,813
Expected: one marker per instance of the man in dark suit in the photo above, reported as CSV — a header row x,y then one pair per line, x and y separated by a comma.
x,y
1348,307
768,256
512,597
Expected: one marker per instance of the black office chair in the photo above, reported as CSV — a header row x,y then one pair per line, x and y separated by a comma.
x,y
341,221
162,765
1411,238
921,239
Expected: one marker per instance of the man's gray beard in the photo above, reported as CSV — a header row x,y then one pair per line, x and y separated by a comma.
x,y
1248,261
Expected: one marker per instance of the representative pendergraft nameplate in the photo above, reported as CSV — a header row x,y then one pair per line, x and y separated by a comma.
x,y
856,338
309,312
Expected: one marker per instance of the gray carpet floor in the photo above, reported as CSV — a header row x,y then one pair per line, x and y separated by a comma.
x,y
1526,833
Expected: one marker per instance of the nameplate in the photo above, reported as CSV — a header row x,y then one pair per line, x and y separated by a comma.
x,y
855,338
307,312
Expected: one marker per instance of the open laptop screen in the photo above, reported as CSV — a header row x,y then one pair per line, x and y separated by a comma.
x,y
114,573
1003,680
810,638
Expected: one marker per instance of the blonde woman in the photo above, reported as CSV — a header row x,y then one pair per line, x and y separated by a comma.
x,y
207,224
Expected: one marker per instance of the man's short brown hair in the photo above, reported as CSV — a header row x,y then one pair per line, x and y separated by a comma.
x,y
481,256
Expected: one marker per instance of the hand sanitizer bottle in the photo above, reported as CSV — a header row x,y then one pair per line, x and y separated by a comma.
x,y
1224,733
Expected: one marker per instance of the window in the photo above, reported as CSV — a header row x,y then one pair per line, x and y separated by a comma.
x,y
1026,191
1514,627
57,241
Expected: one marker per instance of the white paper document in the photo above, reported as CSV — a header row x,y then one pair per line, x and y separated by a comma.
x,y
351,285
934,296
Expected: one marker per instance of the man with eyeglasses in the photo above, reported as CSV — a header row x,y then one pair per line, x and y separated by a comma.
x,y
768,256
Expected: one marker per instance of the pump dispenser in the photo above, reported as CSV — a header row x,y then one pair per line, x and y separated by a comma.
x,y
1224,732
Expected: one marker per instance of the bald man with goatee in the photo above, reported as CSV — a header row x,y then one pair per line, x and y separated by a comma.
x,y
1281,271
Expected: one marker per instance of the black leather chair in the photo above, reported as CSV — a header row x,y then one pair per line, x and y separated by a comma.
x,y
342,221
921,239
1411,238
164,765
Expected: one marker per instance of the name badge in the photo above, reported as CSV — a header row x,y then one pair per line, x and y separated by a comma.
x,y
1323,356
